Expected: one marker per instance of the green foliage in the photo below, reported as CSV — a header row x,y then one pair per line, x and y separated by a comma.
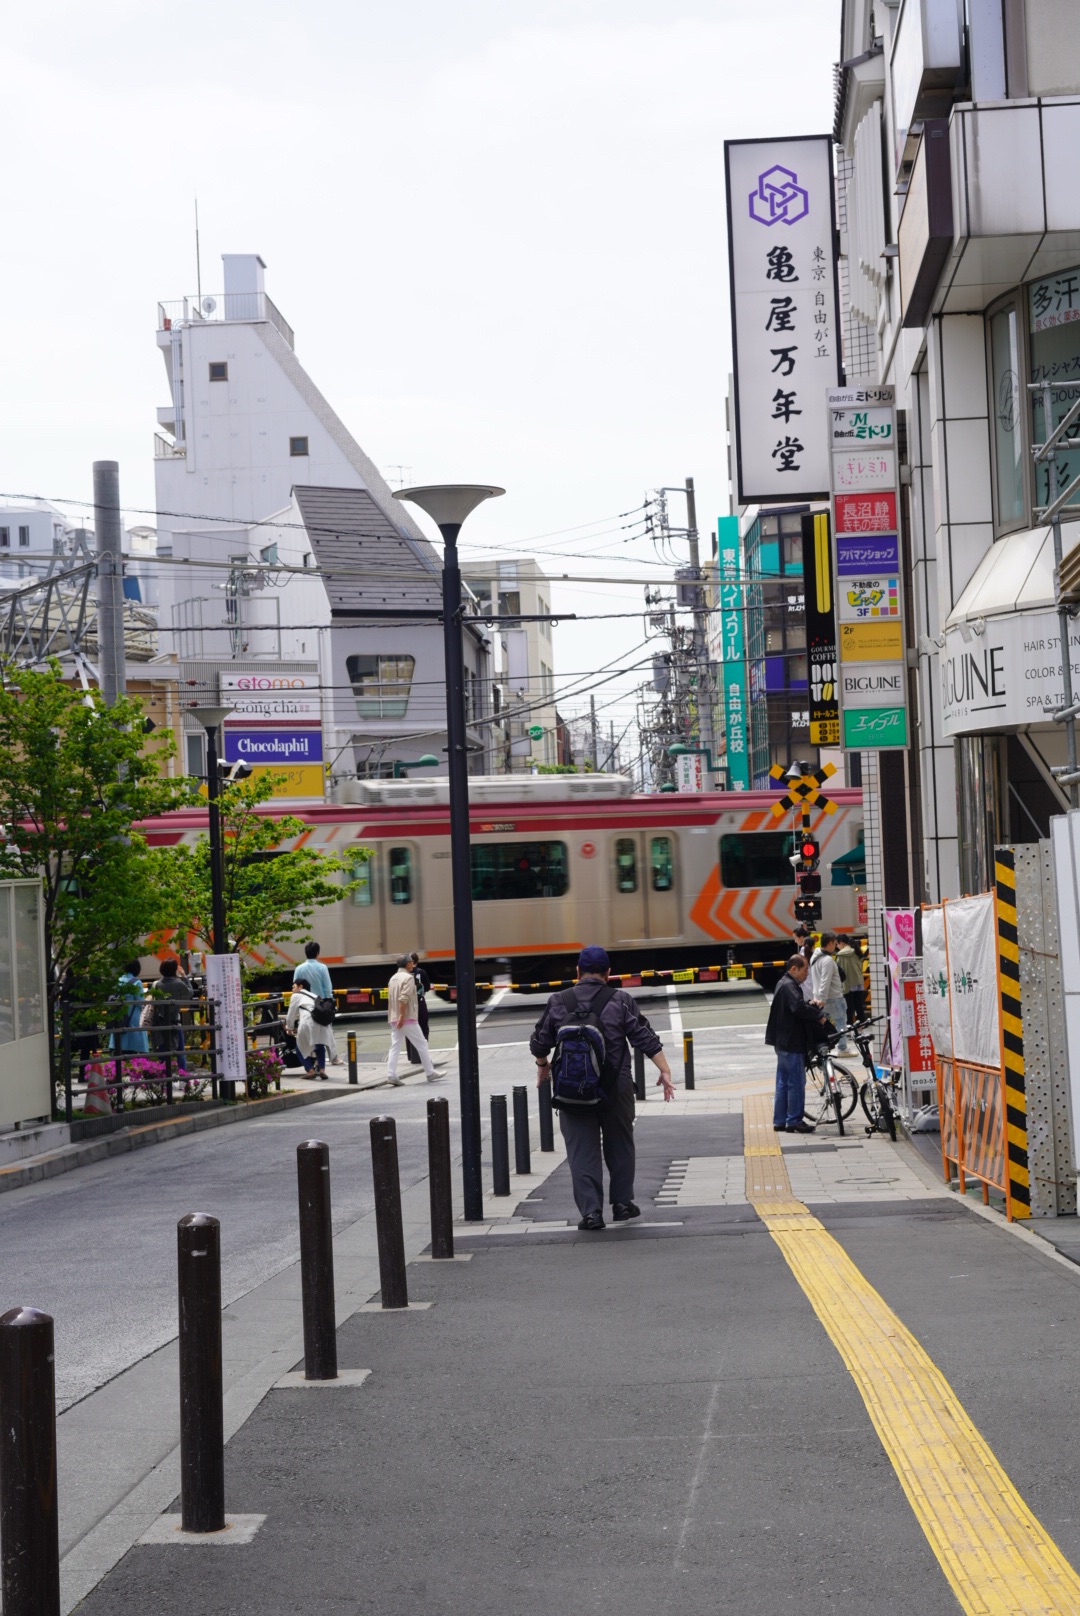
x,y
271,893
557,768
75,775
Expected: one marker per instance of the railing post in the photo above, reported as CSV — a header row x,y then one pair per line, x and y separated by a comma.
x,y
500,1146
212,1051
29,1529
547,1126
202,1433
688,1059
639,1074
65,1058
442,1206
354,1076
317,1260
384,1169
522,1147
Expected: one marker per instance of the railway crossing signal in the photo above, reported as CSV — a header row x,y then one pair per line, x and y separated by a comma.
x,y
802,794
805,792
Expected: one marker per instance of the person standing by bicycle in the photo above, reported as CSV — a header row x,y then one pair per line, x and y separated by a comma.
x,y
827,987
793,1028
849,964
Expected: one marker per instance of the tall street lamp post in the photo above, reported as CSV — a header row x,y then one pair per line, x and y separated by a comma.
x,y
448,505
211,719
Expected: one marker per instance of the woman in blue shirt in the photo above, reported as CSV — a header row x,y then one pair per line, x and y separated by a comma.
x,y
132,1040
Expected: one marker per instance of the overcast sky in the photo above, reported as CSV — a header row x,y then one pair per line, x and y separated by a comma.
x,y
497,228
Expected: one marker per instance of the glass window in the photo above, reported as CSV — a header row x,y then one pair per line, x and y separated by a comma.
x,y
28,962
298,446
381,684
757,859
24,537
219,370
625,864
661,864
5,538
400,875
1054,309
362,894
194,754
1007,412
519,870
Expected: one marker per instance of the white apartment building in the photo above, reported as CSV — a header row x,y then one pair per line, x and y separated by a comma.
x,y
520,592
257,476
957,124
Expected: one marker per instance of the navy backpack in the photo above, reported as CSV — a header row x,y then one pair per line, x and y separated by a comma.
x,y
579,1065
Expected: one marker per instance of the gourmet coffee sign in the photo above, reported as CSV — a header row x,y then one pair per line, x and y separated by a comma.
x,y
1006,676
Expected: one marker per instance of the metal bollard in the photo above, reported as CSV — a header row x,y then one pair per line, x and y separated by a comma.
x,y
547,1125
500,1146
202,1433
688,1059
639,1074
442,1205
29,1530
522,1147
384,1171
353,1075
316,1260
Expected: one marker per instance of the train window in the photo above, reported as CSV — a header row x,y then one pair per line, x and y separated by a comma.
x,y
400,875
661,864
362,894
757,859
519,870
625,864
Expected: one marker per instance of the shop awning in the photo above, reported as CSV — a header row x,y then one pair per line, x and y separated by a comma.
x,y
1015,575
849,870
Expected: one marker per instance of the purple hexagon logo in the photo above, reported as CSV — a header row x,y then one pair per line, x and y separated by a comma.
x,y
779,198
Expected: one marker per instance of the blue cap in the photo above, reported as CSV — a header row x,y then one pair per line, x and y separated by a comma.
x,y
594,959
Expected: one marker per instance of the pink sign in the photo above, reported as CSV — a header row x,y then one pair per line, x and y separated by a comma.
x,y
866,513
899,944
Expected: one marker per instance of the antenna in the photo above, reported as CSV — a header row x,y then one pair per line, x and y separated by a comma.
x,y
198,260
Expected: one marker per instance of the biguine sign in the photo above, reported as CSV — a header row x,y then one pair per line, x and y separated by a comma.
x,y
1005,675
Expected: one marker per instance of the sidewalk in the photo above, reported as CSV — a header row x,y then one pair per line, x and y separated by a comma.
x,y
703,1411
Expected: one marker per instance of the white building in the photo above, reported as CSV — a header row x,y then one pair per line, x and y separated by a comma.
x,y
255,475
520,592
958,123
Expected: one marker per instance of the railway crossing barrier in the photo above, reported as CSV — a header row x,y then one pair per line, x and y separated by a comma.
x,y
500,1146
202,1420
442,1207
29,1519
317,1260
522,1146
388,1227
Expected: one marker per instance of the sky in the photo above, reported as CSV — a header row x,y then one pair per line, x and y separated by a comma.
x,y
497,229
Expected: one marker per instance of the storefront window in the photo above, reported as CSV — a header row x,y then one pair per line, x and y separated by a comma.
x,y
1007,414
1054,322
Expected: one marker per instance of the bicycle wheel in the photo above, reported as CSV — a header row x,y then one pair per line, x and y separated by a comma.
x,y
817,1105
847,1087
877,1104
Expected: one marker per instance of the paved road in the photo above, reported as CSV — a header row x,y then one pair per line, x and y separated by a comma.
x,y
96,1247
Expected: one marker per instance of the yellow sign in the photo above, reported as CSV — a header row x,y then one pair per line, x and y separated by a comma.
x,y
736,973
871,642
682,976
294,780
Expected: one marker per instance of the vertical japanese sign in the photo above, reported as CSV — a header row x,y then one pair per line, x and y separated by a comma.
x,y
785,313
918,1045
899,926
223,985
820,630
733,653
869,585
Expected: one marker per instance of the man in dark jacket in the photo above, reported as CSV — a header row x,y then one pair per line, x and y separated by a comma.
x,y
793,1029
605,1132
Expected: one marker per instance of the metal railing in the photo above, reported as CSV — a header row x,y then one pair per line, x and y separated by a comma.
x,y
165,449
224,306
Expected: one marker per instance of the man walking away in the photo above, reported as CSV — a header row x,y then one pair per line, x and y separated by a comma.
x,y
423,988
851,977
319,981
601,1132
827,988
793,1027
168,1022
403,1013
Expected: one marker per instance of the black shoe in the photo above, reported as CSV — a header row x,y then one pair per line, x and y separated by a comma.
x,y
800,1127
779,1129
623,1211
595,1220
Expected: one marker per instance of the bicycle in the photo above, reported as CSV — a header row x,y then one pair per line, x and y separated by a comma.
x,y
878,1096
830,1087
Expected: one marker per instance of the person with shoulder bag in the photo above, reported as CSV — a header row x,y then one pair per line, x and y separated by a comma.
x,y
582,1044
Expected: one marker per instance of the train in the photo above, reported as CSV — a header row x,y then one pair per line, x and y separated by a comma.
x,y
663,881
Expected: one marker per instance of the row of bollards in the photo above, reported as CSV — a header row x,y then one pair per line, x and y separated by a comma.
x,y
500,1137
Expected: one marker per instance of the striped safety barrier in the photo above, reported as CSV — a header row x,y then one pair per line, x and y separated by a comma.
x,y
1012,1032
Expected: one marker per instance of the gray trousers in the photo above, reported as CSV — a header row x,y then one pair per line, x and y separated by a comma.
x,y
597,1134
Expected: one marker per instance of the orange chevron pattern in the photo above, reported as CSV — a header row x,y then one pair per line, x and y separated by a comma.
x,y
743,914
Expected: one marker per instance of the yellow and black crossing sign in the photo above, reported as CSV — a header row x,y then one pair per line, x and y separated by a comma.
x,y
805,792
1012,1034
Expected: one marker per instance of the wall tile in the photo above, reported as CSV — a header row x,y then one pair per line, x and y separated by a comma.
x,y
967,467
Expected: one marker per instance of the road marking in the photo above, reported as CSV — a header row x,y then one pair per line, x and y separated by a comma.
x,y
675,1013
998,1559
496,999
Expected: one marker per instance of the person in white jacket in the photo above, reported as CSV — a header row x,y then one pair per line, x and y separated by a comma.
x,y
827,987
315,1043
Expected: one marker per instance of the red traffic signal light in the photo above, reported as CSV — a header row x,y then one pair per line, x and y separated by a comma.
x,y
810,849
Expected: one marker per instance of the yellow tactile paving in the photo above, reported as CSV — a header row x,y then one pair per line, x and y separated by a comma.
x,y
998,1559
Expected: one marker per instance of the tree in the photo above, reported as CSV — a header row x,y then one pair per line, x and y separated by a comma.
x,y
271,892
75,776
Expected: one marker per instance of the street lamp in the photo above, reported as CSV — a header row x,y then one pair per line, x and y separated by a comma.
x,y
428,761
211,719
448,505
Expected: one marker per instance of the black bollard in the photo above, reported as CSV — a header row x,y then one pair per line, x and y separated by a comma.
x,y
442,1204
353,1075
202,1429
316,1260
688,1059
29,1531
384,1171
500,1146
639,1074
547,1126
522,1146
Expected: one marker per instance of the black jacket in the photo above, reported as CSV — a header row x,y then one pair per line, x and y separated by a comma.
x,y
620,1018
794,1025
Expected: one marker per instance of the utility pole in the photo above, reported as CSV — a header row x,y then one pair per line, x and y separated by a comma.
x,y
701,632
109,532
592,731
